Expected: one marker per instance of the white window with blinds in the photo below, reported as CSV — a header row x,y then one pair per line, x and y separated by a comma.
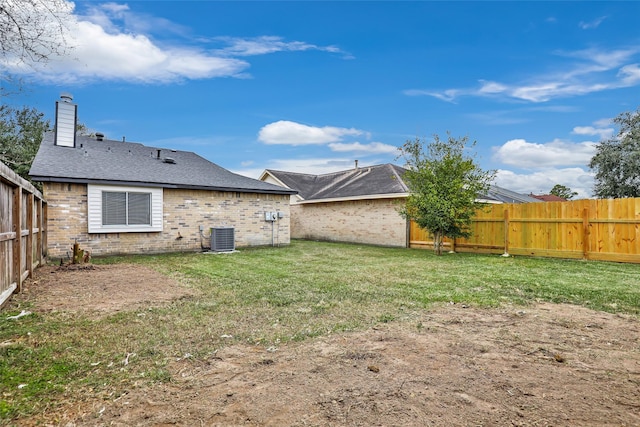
x,y
119,209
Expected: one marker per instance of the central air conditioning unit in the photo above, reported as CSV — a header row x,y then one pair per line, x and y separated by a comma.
x,y
223,239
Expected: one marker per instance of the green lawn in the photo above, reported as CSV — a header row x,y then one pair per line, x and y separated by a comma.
x,y
270,296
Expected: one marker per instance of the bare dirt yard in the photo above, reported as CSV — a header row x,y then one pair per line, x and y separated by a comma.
x,y
544,365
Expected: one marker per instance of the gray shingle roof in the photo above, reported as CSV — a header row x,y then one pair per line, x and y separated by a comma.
x,y
507,196
370,181
116,162
364,181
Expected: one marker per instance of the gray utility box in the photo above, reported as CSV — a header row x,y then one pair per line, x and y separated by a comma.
x,y
223,239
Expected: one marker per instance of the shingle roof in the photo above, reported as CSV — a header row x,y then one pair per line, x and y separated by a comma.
x,y
548,197
373,180
370,181
507,196
130,163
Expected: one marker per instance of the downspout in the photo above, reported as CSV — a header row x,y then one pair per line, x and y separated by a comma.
x,y
272,240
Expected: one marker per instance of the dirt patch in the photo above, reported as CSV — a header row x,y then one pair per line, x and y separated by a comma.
x,y
546,365
101,288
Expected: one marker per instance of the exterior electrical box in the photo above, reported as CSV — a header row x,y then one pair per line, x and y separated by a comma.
x,y
270,216
223,239
280,214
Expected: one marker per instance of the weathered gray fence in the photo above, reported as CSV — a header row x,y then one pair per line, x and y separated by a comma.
x,y
23,237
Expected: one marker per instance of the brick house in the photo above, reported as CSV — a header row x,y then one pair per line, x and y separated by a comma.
x,y
358,205
116,197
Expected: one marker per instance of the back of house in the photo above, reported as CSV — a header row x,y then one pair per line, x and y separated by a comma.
x,y
116,197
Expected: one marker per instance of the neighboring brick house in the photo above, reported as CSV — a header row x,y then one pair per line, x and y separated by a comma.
x,y
358,205
115,197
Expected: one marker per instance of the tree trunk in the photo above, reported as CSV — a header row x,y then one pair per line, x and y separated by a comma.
x,y
437,242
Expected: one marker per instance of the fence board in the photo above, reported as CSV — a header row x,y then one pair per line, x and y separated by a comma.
x,y
22,231
603,229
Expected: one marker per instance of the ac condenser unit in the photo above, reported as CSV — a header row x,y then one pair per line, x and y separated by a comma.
x,y
223,239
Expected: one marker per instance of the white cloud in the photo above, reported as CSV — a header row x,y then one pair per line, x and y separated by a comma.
x,y
268,44
608,59
316,166
542,181
112,43
492,87
448,95
523,154
102,52
602,123
292,133
592,24
602,133
592,71
630,74
372,148
119,18
103,15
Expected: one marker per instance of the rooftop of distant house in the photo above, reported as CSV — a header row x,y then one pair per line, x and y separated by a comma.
x,y
548,197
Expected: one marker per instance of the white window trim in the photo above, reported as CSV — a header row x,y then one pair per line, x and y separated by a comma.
x,y
94,206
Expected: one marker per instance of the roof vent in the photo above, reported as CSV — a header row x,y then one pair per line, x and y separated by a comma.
x,y
99,136
169,160
223,239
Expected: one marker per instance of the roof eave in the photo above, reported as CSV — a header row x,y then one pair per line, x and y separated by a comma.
x,y
354,198
489,201
160,185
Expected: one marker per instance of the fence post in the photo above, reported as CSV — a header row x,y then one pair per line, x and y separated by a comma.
x,y
17,242
506,233
38,243
585,233
29,224
44,231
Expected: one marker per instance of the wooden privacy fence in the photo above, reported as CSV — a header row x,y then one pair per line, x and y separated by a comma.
x,y
23,243
603,229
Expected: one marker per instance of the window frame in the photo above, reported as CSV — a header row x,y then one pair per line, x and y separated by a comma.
x,y
126,213
95,209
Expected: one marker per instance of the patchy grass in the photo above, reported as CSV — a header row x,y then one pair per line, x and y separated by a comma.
x,y
267,297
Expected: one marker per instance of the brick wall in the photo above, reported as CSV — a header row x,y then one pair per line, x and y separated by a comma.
x,y
374,222
184,212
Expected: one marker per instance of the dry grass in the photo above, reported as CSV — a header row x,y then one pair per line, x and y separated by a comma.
x,y
270,296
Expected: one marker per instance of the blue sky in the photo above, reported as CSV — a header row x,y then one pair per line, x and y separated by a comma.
x,y
310,86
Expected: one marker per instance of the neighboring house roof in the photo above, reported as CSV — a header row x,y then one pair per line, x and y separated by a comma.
x,y
548,197
503,195
127,163
368,182
353,183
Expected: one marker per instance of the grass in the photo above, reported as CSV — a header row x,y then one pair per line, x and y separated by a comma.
x,y
268,297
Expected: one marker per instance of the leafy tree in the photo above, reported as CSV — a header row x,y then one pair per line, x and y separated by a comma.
x,y
617,160
444,182
21,131
562,191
